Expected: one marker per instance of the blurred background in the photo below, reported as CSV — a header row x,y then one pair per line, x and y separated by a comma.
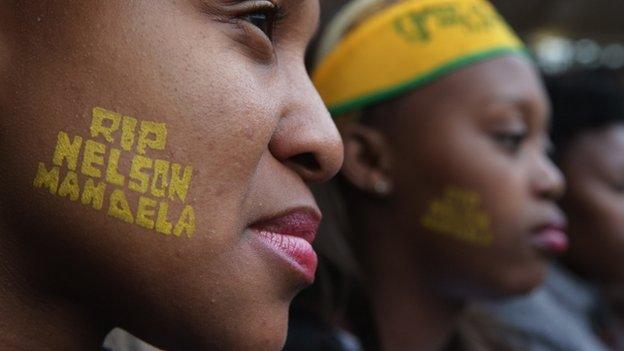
x,y
567,34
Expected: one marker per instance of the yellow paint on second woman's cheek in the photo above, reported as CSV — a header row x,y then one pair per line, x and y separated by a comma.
x,y
458,213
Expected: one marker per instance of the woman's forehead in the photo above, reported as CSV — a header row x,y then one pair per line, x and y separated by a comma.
x,y
480,84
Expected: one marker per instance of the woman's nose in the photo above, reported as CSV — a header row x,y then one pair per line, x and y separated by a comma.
x,y
306,139
548,181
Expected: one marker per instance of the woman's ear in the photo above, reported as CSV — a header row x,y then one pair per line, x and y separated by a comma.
x,y
367,159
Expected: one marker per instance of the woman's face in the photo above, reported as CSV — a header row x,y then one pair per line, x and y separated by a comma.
x,y
593,164
189,131
474,188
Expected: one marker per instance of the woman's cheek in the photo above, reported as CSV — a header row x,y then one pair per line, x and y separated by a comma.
x,y
458,213
119,167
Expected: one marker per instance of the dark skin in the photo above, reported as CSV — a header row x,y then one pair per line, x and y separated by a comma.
x,y
471,129
231,86
593,163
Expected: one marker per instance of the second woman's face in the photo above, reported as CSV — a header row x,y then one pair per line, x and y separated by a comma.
x,y
155,156
593,163
474,186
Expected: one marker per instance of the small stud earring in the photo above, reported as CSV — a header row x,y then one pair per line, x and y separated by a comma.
x,y
382,187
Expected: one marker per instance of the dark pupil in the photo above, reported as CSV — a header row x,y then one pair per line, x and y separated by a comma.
x,y
260,20
513,141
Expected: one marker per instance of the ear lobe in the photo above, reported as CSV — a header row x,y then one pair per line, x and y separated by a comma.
x,y
367,159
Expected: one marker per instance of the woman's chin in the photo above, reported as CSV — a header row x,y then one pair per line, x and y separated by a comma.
x,y
266,334
521,281
503,284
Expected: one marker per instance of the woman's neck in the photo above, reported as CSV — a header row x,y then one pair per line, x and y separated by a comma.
x,y
408,317
408,313
33,320
43,328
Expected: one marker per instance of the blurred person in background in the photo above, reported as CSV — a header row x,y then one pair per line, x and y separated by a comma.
x,y
447,194
581,306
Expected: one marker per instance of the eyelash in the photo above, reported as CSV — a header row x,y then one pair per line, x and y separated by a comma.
x,y
510,141
549,149
618,187
264,11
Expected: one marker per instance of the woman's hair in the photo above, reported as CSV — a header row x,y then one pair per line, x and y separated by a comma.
x,y
583,101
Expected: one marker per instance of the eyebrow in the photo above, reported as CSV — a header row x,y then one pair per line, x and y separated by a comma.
x,y
533,113
233,2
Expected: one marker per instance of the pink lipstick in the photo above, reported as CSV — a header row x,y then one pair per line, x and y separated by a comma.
x,y
290,236
551,238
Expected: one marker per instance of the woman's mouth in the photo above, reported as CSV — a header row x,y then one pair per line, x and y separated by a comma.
x,y
551,238
290,236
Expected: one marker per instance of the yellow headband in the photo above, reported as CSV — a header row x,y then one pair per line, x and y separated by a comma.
x,y
407,45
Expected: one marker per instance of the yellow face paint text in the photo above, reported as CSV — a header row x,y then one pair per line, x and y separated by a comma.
x,y
457,213
88,170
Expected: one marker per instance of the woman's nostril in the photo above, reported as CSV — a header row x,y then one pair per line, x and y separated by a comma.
x,y
306,160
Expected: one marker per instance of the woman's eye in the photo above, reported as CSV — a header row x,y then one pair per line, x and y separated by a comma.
x,y
263,20
510,141
618,187
549,149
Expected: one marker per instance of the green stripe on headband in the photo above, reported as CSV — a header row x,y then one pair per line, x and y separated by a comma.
x,y
394,91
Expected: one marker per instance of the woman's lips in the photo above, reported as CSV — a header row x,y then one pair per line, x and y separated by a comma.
x,y
551,238
290,236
